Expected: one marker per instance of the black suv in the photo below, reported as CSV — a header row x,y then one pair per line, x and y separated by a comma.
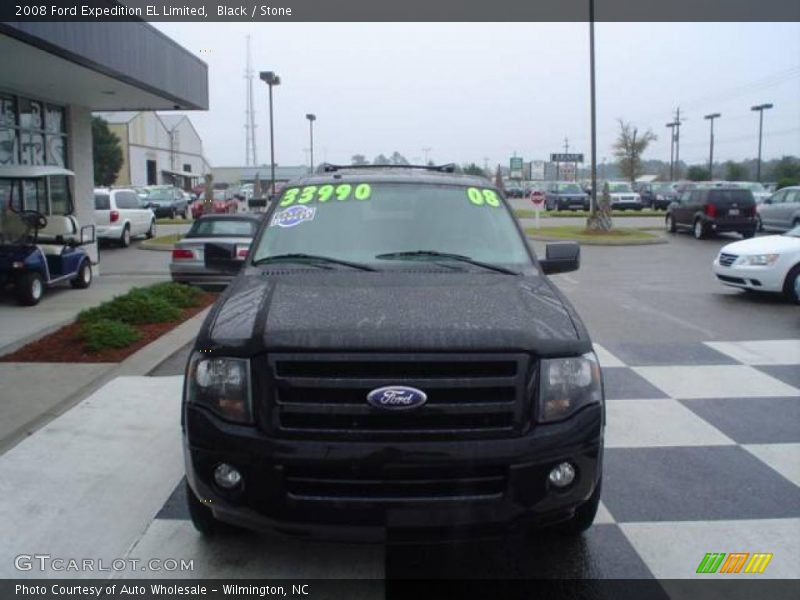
x,y
713,210
392,363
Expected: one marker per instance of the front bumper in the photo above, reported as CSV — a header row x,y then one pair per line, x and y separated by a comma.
x,y
765,279
266,500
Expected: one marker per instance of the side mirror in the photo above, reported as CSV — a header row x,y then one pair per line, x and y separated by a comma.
x,y
561,257
222,257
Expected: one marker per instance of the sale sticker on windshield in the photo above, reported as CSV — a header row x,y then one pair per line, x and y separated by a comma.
x,y
294,215
326,193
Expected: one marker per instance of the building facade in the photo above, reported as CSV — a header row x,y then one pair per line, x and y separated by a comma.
x,y
54,74
158,149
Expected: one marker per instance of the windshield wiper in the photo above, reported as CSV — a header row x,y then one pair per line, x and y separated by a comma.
x,y
312,258
446,256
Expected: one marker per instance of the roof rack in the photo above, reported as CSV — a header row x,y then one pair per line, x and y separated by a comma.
x,y
448,168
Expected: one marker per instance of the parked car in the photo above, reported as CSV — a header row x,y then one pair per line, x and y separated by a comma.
x,y
781,210
760,193
565,195
514,190
646,192
188,255
120,215
623,197
713,210
767,264
394,361
166,201
664,194
41,241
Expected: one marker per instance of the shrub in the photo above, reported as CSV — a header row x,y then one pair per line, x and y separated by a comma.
x,y
177,294
103,333
137,307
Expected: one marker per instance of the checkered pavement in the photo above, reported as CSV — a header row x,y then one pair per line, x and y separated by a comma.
x,y
702,455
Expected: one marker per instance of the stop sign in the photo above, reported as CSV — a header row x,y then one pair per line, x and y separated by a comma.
x,y
537,198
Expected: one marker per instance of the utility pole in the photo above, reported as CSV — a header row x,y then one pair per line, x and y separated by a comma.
x,y
678,140
711,118
593,200
671,151
760,108
426,151
250,158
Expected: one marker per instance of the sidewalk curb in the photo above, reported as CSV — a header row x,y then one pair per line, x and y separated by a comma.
x,y
139,363
545,238
146,245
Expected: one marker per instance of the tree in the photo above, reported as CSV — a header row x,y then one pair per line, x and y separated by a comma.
x,y
735,171
698,173
381,160
398,159
107,153
359,160
629,147
788,167
473,169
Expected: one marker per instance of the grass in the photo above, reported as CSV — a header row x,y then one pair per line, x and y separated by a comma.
x,y
578,233
167,240
525,213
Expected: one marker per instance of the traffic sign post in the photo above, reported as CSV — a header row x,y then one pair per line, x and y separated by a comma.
x,y
537,198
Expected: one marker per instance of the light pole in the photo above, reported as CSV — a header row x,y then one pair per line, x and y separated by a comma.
x,y
672,150
311,118
760,108
711,118
593,199
271,79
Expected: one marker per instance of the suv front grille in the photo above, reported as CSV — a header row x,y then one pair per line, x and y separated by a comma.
x,y
726,260
396,483
325,396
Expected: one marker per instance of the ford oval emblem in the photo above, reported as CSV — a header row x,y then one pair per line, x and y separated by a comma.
x,y
396,397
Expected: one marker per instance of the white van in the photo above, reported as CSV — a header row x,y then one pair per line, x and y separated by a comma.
x,y
121,215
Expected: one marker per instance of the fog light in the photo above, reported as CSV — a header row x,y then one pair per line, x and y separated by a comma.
x,y
226,476
562,475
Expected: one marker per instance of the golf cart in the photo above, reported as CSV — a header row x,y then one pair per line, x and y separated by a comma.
x,y
41,243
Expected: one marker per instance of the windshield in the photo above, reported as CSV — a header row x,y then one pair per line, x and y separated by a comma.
x,y
569,188
665,188
753,187
357,222
616,188
159,196
223,228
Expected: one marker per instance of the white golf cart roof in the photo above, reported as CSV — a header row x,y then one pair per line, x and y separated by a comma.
x,y
26,172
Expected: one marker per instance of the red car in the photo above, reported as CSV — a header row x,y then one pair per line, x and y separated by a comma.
x,y
221,204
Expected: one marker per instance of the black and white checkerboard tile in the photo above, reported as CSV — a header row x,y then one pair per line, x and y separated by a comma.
x,y
702,455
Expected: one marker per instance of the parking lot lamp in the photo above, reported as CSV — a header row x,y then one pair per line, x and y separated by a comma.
x,y
270,78
672,150
311,118
711,118
760,108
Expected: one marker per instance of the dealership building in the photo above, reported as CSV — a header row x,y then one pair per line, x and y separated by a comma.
x,y
54,75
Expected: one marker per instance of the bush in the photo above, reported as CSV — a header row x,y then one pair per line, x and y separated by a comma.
x,y
177,294
137,307
786,182
103,333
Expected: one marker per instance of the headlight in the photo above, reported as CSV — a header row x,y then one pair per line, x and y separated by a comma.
x,y
567,385
221,384
759,260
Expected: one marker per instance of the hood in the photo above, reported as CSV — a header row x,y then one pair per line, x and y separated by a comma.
x,y
769,244
393,311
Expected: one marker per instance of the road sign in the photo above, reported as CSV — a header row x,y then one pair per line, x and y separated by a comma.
x,y
567,158
537,197
537,170
516,167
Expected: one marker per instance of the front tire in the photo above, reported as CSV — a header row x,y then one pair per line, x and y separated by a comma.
x,y
30,289
699,230
670,224
84,278
151,232
791,287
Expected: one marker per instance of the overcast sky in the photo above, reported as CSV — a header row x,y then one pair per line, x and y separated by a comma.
x,y
475,91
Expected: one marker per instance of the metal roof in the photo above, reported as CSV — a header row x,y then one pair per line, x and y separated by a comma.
x,y
20,171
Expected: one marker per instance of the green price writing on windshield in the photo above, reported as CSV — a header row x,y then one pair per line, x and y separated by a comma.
x,y
480,197
313,193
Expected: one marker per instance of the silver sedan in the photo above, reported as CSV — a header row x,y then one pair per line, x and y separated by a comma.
x,y
188,263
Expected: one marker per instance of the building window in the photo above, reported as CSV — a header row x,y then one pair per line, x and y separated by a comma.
x,y
187,168
31,132
152,172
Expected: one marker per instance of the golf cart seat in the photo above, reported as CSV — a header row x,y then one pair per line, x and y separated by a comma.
x,y
61,229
